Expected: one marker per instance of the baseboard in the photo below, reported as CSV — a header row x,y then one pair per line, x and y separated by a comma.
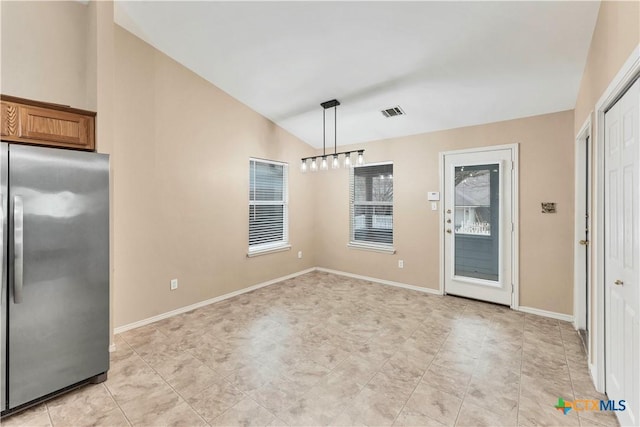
x,y
545,313
112,348
187,308
149,320
381,281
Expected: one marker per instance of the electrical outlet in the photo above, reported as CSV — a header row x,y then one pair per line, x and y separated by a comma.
x,y
174,284
400,263
299,254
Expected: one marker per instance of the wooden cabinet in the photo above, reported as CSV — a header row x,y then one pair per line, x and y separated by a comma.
x,y
33,122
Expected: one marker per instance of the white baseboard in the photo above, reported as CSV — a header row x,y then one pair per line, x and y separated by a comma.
x,y
149,320
112,348
545,313
381,281
187,308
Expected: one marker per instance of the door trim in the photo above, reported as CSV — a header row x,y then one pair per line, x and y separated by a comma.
x,y
515,217
579,298
623,79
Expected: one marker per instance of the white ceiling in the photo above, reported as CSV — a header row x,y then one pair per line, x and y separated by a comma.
x,y
447,64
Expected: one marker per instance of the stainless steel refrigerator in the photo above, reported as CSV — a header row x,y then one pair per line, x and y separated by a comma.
x,y
54,323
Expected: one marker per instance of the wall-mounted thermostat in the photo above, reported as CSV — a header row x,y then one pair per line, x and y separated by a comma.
x,y
433,196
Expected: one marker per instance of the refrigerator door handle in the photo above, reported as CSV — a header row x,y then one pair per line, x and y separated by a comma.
x,y
18,248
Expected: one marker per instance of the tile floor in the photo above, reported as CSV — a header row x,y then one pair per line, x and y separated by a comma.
x,y
322,349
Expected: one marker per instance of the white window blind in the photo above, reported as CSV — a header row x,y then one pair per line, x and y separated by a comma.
x,y
268,210
371,200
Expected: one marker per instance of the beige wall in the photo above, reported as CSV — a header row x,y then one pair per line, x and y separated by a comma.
x,y
182,149
546,174
177,143
48,52
616,34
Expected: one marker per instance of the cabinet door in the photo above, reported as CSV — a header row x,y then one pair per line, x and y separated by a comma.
x,y
43,126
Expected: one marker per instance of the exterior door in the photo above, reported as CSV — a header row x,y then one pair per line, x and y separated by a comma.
x,y
622,254
58,297
478,206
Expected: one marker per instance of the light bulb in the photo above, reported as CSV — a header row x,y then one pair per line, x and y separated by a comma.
x,y
336,162
324,166
303,165
360,158
347,160
314,164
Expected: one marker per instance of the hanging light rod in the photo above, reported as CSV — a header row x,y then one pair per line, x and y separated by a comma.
x,y
335,163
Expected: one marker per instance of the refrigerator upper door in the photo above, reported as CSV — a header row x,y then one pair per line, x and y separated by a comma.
x,y
59,321
3,281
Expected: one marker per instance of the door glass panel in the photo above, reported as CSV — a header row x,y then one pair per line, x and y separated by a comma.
x,y
476,221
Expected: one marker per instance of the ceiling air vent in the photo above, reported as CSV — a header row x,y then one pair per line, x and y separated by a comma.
x,y
393,111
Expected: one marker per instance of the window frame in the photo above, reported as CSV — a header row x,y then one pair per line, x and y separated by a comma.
x,y
281,245
364,244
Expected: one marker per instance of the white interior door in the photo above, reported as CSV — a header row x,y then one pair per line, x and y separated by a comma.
x,y
622,255
478,238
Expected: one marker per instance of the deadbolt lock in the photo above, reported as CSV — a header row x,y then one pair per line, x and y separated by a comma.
x,y
584,242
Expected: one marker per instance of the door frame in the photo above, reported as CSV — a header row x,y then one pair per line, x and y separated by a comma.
x,y
515,218
579,297
617,87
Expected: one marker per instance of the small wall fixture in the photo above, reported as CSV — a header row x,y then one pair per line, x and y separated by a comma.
x,y
334,157
548,207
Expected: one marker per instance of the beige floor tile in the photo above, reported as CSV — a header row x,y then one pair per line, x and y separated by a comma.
x,y
83,405
112,418
472,415
37,416
435,404
191,378
409,418
322,349
245,413
449,381
215,400
161,408
135,384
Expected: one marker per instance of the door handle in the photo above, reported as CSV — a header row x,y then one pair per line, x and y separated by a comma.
x,y
18,248
584,242
619,282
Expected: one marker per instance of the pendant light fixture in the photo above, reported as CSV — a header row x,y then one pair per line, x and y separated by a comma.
x,y
349,161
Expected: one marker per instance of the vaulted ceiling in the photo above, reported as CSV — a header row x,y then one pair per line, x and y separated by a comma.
x,y
446,64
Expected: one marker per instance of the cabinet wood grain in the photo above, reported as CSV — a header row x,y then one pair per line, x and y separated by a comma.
x,y
33,122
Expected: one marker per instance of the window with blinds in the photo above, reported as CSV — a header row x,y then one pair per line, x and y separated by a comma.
x,y
371,199
268,211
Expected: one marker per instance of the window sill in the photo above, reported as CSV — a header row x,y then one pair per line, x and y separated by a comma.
x,y
265,251
373,248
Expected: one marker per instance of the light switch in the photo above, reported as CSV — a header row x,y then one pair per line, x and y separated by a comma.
x,y
434,206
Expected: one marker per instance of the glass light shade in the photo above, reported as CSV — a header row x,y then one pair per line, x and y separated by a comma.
x,y
314,164
347,160
360,158
324,165
335,164
303,166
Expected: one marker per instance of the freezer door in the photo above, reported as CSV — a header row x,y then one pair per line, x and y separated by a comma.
x,y
59,270
4,170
